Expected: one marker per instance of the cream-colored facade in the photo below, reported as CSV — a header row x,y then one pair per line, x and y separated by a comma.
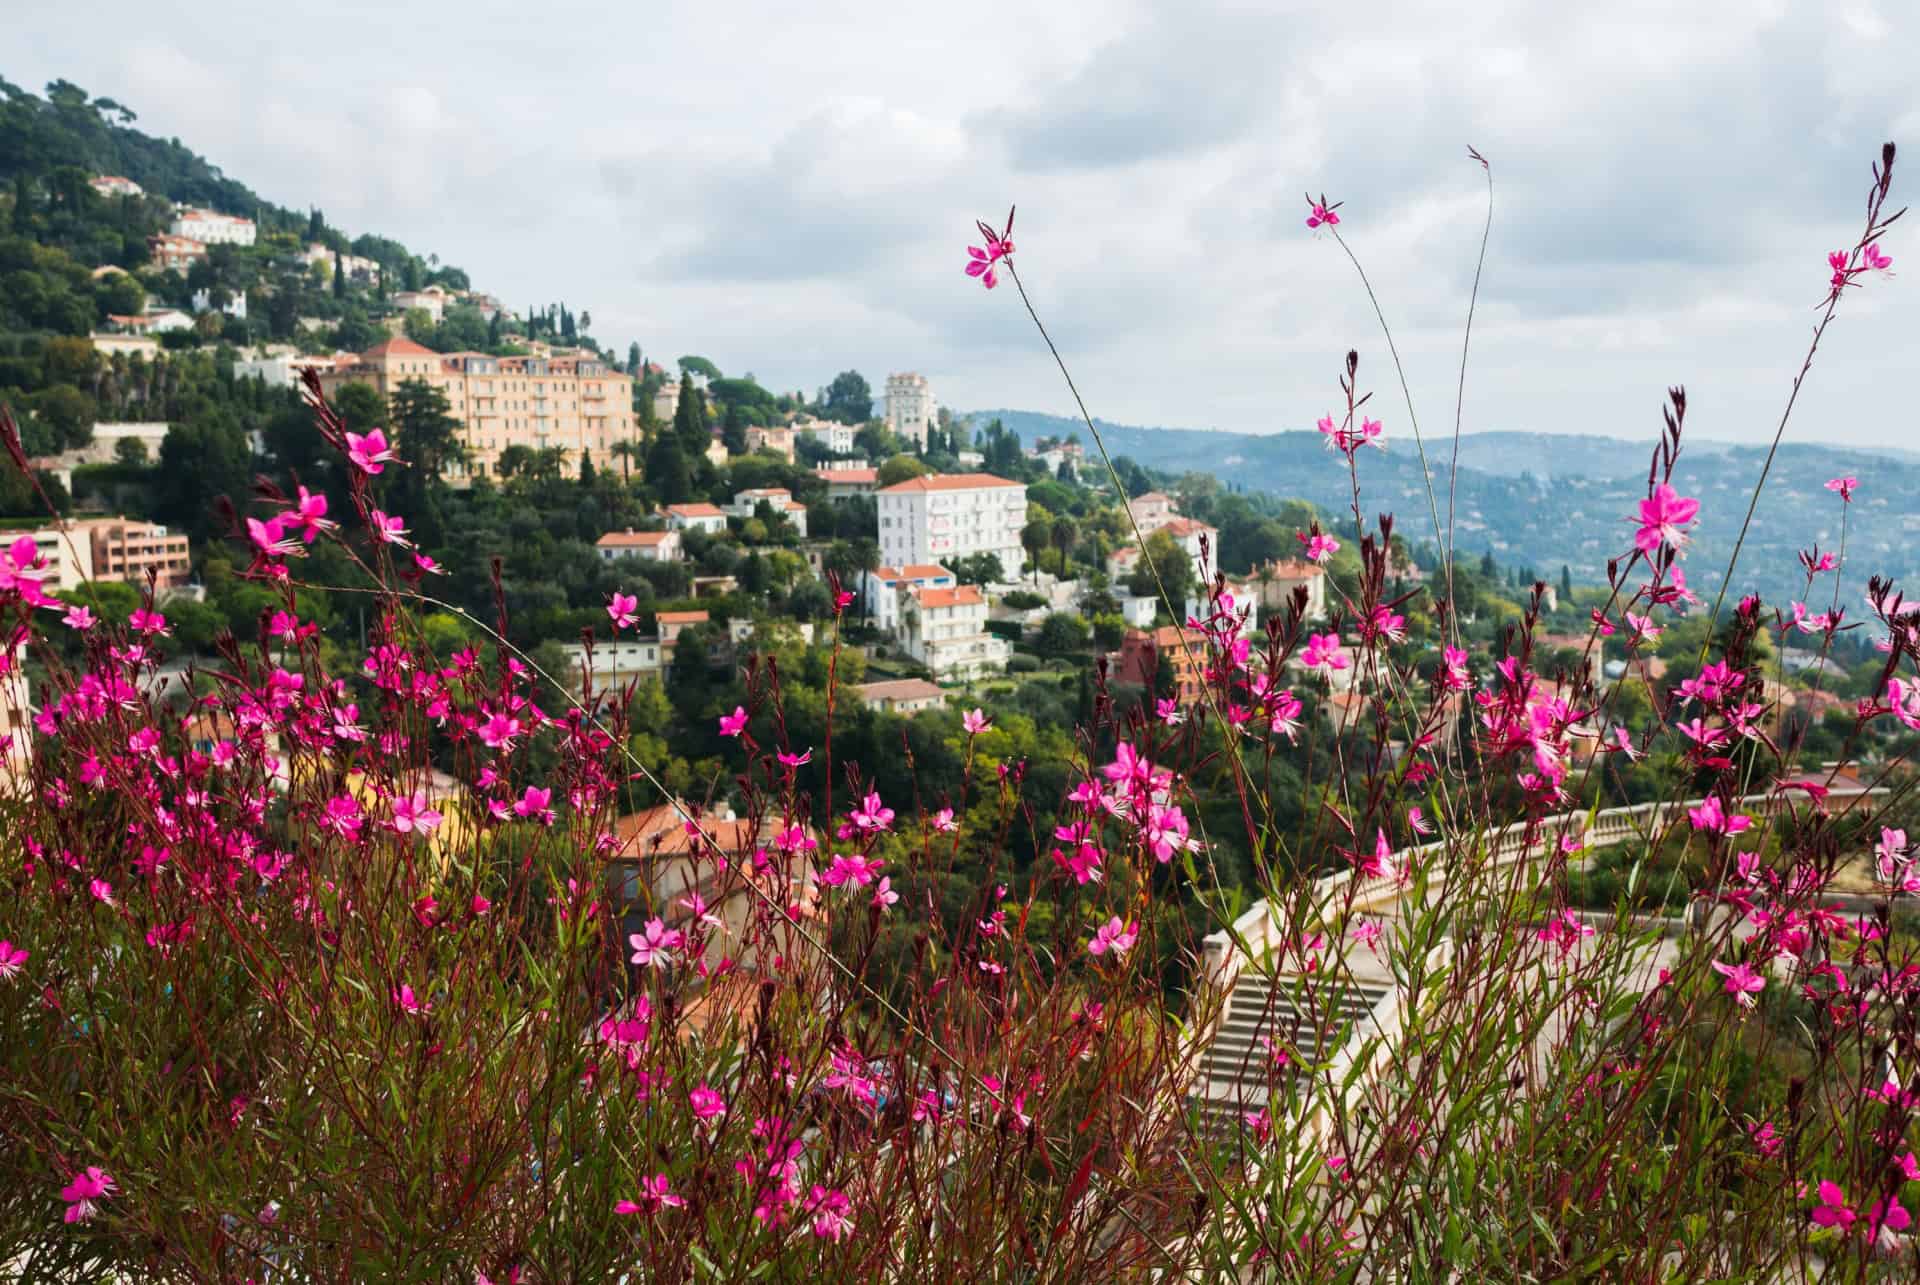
x,y
575,403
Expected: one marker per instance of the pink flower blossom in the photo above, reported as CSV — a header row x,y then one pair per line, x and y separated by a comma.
x,y
974,722
654,947
309,513
622,608
655,1195
832,1213
1367,933
707,1104
884,897
1844,487
369,453
1113,936
801,759
1742,982
871,816
1323,650
144,621
1167,710
1833,1210
408,1002
943,822
1713,819
1664,518
533,804
1877,261
79,618
1321,213
389,529
1318,547
12,960
735,723
88,1186
981,261
413,815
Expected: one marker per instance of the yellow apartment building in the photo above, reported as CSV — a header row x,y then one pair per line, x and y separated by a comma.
x,y
574,402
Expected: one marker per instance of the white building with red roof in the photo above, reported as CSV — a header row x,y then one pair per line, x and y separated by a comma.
x,y
696,517
946,630
210,227
649,546
747,503
945,517
884,589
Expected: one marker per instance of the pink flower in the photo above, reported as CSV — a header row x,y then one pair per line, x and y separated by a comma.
x,y
389,530
975,722
831,1212
1844,486
12,959
407,1002
270,539
622,609
795,760
148,622
1167,710
1765,1138
1417,821
655,1195
1876,260
79,618
884,897
1367,933
998,246
1742,982
1113,936
533,805
735,723
91,1184
871,816
1887,1215
707,1104
1323,649
1710,817
654,947
1833,1210
309,513
1664,517
413,815
499,731
943,822
1319,547
1322,213
427,565
369,453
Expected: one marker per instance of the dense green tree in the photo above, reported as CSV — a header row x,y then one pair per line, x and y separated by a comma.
x,y
848,399
690,426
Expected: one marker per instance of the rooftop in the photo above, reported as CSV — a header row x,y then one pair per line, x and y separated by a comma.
x,y
899,689
947,482
695,510
633,539
966,595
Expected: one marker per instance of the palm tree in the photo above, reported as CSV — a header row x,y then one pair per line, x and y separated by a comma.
x,y
627,450
1034,536
1065,536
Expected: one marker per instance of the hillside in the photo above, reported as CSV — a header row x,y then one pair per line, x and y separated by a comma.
x,y
1509,480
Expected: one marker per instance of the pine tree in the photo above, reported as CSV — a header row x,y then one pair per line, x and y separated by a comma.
x,y
690,424
733,429
1566,584
339,277
633,360
587,475
667,473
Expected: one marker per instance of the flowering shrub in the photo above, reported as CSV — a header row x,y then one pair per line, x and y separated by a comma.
x,y
360,975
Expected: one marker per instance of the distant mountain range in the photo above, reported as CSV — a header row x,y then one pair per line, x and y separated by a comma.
x,y
1547,500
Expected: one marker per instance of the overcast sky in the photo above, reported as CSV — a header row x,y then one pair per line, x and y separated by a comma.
x,y
792,195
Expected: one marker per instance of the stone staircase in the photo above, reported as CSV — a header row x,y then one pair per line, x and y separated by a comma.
x,y
1309,1017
